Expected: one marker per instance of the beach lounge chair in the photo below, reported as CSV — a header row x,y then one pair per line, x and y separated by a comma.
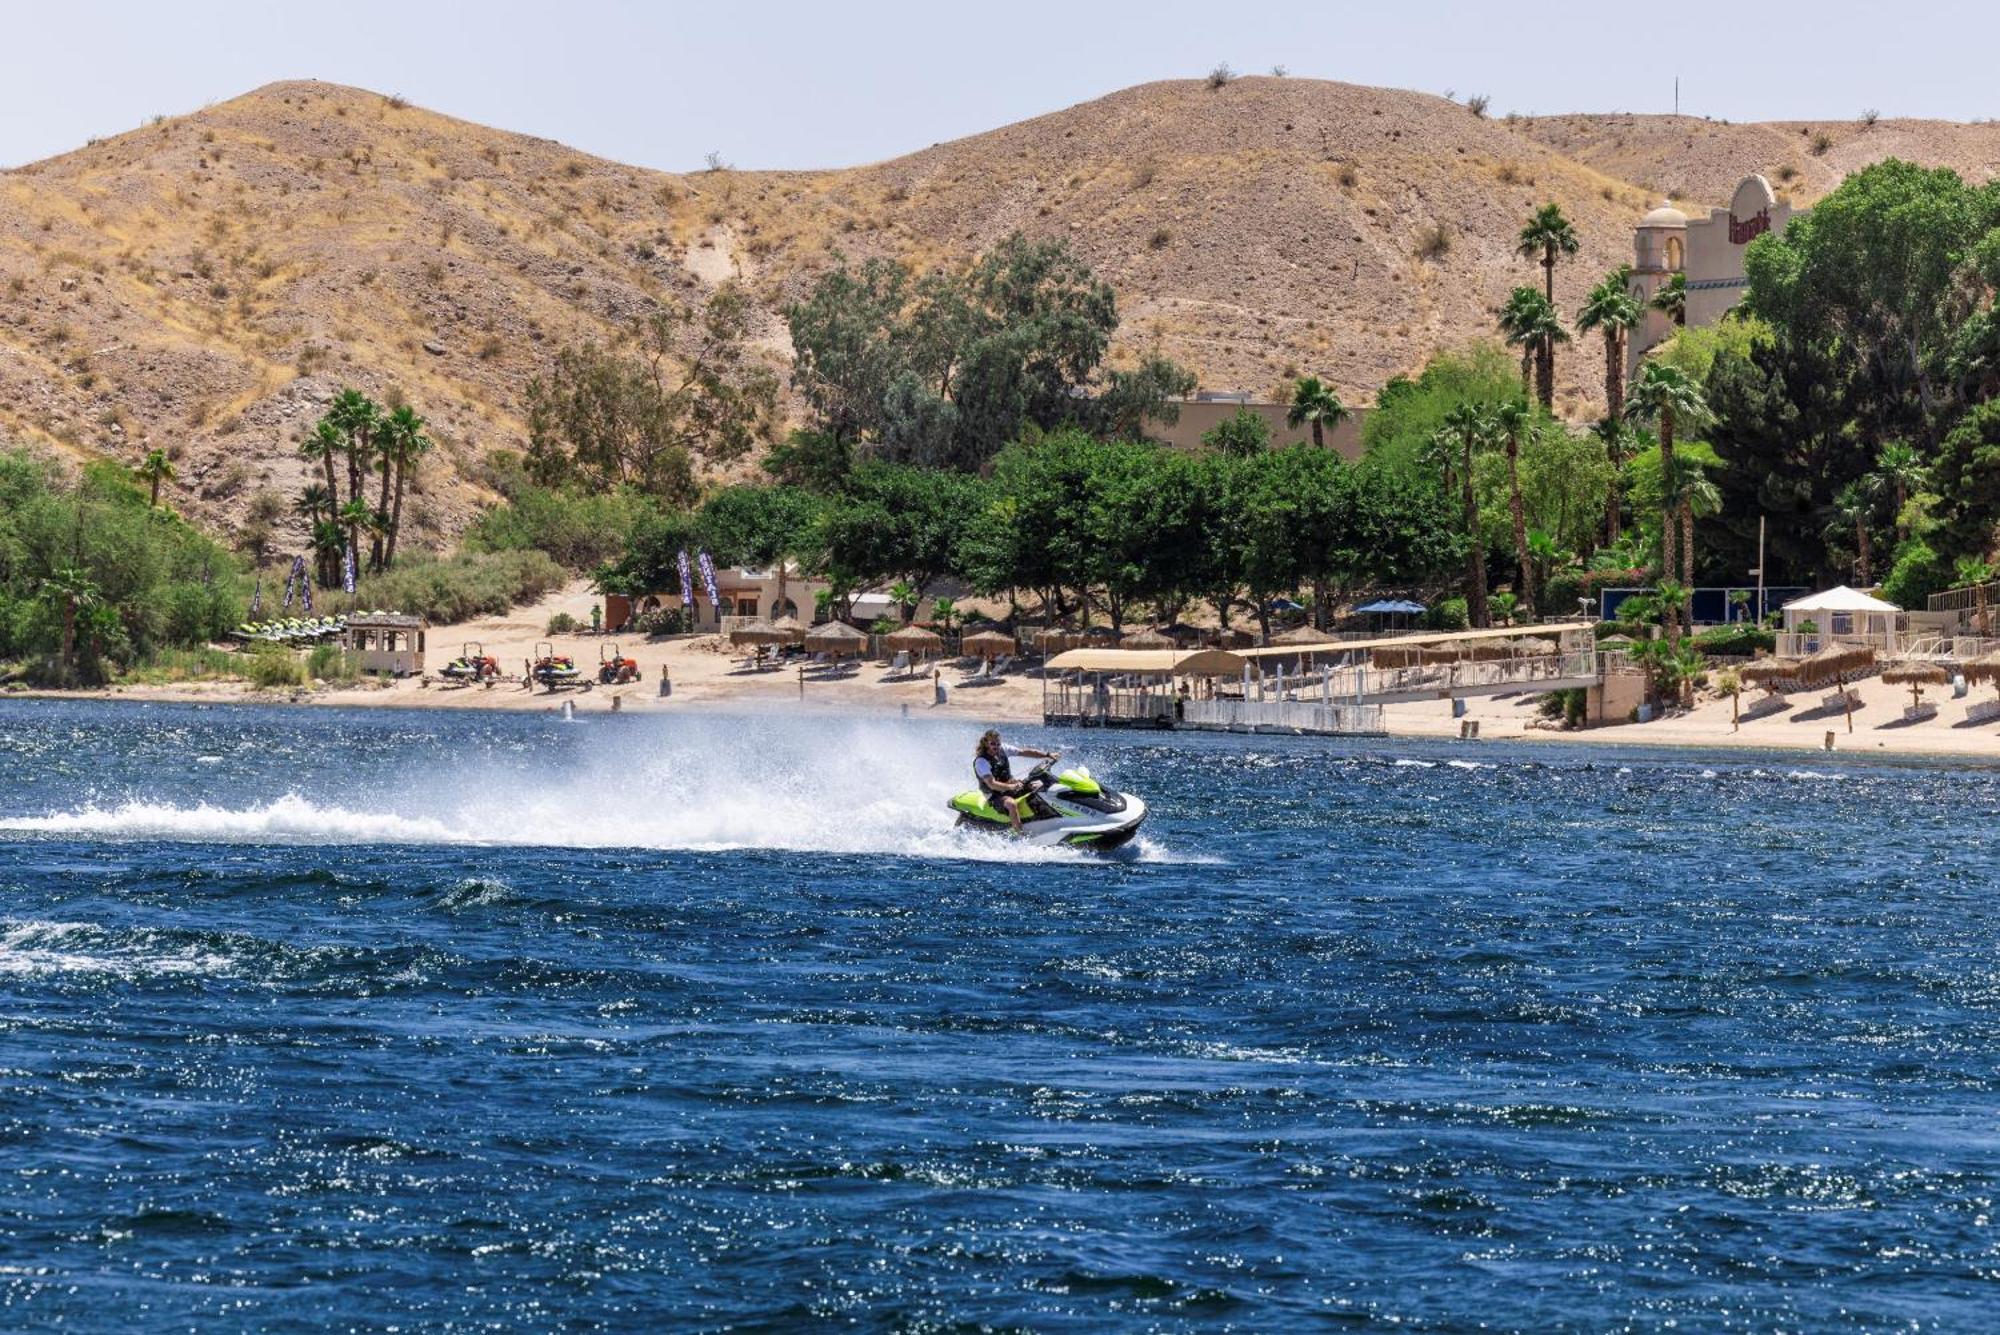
x,y
900,664
1001,664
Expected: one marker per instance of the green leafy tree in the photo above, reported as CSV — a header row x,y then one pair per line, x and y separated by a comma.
x,y
154,469
1853,508
1244,432
686,386
1314,403
1899,471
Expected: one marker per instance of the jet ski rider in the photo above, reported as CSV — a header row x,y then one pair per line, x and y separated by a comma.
x,y
996,776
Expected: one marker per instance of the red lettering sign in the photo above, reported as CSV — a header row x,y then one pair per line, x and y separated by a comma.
x,y
1743,233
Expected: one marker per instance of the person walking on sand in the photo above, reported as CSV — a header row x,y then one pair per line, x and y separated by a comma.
x,y
996,776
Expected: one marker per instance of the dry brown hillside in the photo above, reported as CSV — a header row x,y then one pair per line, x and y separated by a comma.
x,y
205,283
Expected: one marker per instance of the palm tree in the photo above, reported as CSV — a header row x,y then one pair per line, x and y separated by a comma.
x,y
404,446
355,416
905,596
1672,594
1673,298
1690,493
1852,508
1668,396
322,444
1530,322
1612,432
1977,572
1547,237
355,516
71,588
314,501
1441,454
1314,401
1613,312
1510,419
1899,470
329,540
155,468
944,614
1473,432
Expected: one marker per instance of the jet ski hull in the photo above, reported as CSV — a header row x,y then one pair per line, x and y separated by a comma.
x,y
1098,821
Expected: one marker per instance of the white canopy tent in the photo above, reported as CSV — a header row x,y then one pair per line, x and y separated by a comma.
x,y
1841,615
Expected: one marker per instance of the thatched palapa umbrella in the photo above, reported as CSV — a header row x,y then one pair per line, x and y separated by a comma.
x,y
1303,635
1916,674
1836,663
1768,672
1148,639
794,630
758,632
915,641
987,644
1986,667
836,639
1054,639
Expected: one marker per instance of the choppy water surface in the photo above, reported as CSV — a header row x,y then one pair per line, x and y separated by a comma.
x,y
318,1019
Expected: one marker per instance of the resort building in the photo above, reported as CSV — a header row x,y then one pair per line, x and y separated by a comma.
x,y
1708,251
1208,409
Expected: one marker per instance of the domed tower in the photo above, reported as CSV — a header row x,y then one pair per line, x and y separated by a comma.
x,y
1659,250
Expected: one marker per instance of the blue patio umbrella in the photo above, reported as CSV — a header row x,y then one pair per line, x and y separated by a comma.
x,y
1393,607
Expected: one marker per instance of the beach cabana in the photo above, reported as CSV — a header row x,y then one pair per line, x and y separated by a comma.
x,y
758,632
391,643
1303,635
1054,639
836,639
1841,615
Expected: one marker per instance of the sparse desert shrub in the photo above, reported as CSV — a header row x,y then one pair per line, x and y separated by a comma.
x,y
1144,173
1510,173
1221,76
457,588
712,160
273,667
1477,104
1821,142
1279,71
1787,173
1434,242
1346,175
1160,239
489,348
572,169
396,101
1869,117
562,623
329,662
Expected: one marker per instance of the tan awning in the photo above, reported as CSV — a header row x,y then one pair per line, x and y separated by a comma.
x,y
1433,641
1153,662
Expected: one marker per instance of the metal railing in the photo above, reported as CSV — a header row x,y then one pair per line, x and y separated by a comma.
x,y
1288,715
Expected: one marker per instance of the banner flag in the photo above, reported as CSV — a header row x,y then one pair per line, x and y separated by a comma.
x,y
708,581
687,584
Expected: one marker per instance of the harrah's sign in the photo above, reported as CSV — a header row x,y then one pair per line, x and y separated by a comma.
x,y
1749,229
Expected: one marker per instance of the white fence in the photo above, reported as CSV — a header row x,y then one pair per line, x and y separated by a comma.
x,y
1284,716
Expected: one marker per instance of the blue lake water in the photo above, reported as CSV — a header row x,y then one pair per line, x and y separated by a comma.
x,y
319,1019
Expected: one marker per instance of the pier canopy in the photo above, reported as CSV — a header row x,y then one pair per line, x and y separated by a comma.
x,y
1458,641
1152,662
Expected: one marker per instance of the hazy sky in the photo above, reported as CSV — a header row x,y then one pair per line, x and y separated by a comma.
x,y
783,84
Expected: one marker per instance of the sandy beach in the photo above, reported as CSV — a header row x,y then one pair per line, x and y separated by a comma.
x,y
706,673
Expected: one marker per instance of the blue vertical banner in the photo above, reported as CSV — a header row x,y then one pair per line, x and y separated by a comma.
x,y
347,570
305,587
292,582
687,586
257,597
708,582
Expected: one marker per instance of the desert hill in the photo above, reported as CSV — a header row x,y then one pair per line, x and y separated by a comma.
x,y
204,283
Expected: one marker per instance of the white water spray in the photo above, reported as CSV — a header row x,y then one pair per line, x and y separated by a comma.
x,y
848,787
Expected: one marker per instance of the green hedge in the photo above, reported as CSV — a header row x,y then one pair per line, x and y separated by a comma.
x,y
456,588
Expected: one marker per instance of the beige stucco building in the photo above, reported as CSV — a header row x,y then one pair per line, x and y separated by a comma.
x,y
1708,250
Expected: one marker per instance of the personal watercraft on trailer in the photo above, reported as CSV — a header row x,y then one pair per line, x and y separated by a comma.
x,y
554,670
1067,808
472,665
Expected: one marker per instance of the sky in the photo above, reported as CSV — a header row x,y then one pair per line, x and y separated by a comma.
x,y
780,84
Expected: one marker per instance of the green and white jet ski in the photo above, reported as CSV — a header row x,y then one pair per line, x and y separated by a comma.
x,y
1068,808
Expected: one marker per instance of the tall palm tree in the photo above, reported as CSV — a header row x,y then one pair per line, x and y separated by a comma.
x,y
1672,593
1673,298
1670,398
404,446
1977,572
1510,420
1612,432
1515,319
1530,322
329,540
1473,432
155,468
1853,506
1314,401
1691,493
1547,237
1614,313
322,444
314,502
357,418
1899,470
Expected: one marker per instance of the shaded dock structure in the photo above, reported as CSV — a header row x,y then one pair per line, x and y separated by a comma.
x,y
1336,687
